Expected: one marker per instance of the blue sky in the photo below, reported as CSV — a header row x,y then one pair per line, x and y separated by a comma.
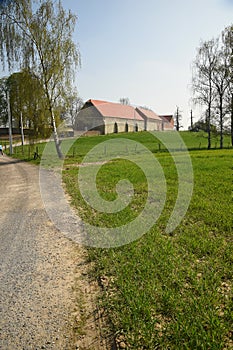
x,y
143,50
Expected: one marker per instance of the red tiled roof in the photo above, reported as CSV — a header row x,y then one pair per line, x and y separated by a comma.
x,y
167,118
117,110
97,102
148,113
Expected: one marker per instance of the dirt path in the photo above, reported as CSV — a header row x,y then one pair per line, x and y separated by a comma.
x,y
47,300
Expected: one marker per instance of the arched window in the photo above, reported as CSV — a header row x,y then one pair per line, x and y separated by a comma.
x,y
126,127
115,130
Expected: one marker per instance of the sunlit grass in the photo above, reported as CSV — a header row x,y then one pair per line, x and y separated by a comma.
x,y
164,291
170,291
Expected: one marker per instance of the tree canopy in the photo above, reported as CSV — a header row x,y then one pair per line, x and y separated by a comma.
x,y
212,81
37,36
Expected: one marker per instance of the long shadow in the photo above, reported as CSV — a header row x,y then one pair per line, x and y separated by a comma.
x,y
8,162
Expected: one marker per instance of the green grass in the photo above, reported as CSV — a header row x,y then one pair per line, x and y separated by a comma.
x,y
165,291
26,152
193,140
168,291
199,140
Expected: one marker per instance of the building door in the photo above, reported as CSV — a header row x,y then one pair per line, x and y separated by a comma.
x,y
115,130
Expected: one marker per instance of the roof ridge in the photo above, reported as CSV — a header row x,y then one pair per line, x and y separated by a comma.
x,y
109,102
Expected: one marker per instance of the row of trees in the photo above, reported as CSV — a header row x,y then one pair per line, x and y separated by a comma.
x,y
212,82
36,38
28,105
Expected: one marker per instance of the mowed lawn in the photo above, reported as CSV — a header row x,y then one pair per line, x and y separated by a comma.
x,y
166,291
163,291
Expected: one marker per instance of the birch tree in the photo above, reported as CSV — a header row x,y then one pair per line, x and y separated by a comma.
x,y
37,35
3,102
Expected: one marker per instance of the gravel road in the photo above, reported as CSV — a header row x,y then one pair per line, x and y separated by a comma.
x,y
38,267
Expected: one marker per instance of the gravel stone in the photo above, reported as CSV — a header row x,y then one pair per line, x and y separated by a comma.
x,y
37,267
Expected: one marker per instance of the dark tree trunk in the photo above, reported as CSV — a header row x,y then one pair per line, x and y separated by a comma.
x,y
177,120
209,126
232,119
221,120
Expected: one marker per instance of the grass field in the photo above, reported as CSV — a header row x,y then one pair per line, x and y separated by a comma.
x,y
193,141
165,291
168,291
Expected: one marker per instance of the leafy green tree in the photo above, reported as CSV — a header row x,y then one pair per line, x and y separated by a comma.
x,y
202,125
37,35
28,102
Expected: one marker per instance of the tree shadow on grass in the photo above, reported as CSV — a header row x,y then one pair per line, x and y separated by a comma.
x,y
3,161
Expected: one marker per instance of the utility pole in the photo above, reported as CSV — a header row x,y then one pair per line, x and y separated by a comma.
x,y
9,122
